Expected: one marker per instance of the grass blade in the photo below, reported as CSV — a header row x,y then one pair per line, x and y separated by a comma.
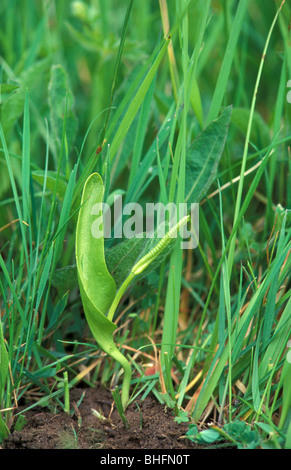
x,y
136,103
225,68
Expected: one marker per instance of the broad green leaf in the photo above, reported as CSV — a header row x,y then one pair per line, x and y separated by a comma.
x,y
12,108
97,286
260,134
207,436
51,177
65,279
92,270
203,157
6,89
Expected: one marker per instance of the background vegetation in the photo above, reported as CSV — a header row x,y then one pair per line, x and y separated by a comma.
x,y
76,76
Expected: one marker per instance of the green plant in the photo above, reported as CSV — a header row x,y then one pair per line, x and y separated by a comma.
x,y
238,434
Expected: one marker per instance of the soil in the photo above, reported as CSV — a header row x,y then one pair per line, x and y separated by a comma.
x,y
152,426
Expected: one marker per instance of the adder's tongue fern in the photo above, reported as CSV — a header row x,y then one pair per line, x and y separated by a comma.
x,y
92,271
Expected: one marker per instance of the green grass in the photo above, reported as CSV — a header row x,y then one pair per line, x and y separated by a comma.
x,y
125,89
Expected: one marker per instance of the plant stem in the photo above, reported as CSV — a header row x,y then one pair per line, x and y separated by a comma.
x,y
66,393
119,295
119,357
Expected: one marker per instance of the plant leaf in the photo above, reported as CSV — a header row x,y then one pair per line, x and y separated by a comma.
x,y
65,279
94,278
203,157
6,89
12,106
97,286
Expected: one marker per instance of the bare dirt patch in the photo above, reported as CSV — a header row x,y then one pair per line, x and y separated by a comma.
x,y
152,426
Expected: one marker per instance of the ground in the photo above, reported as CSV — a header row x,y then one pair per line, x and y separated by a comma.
x,y
152,426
